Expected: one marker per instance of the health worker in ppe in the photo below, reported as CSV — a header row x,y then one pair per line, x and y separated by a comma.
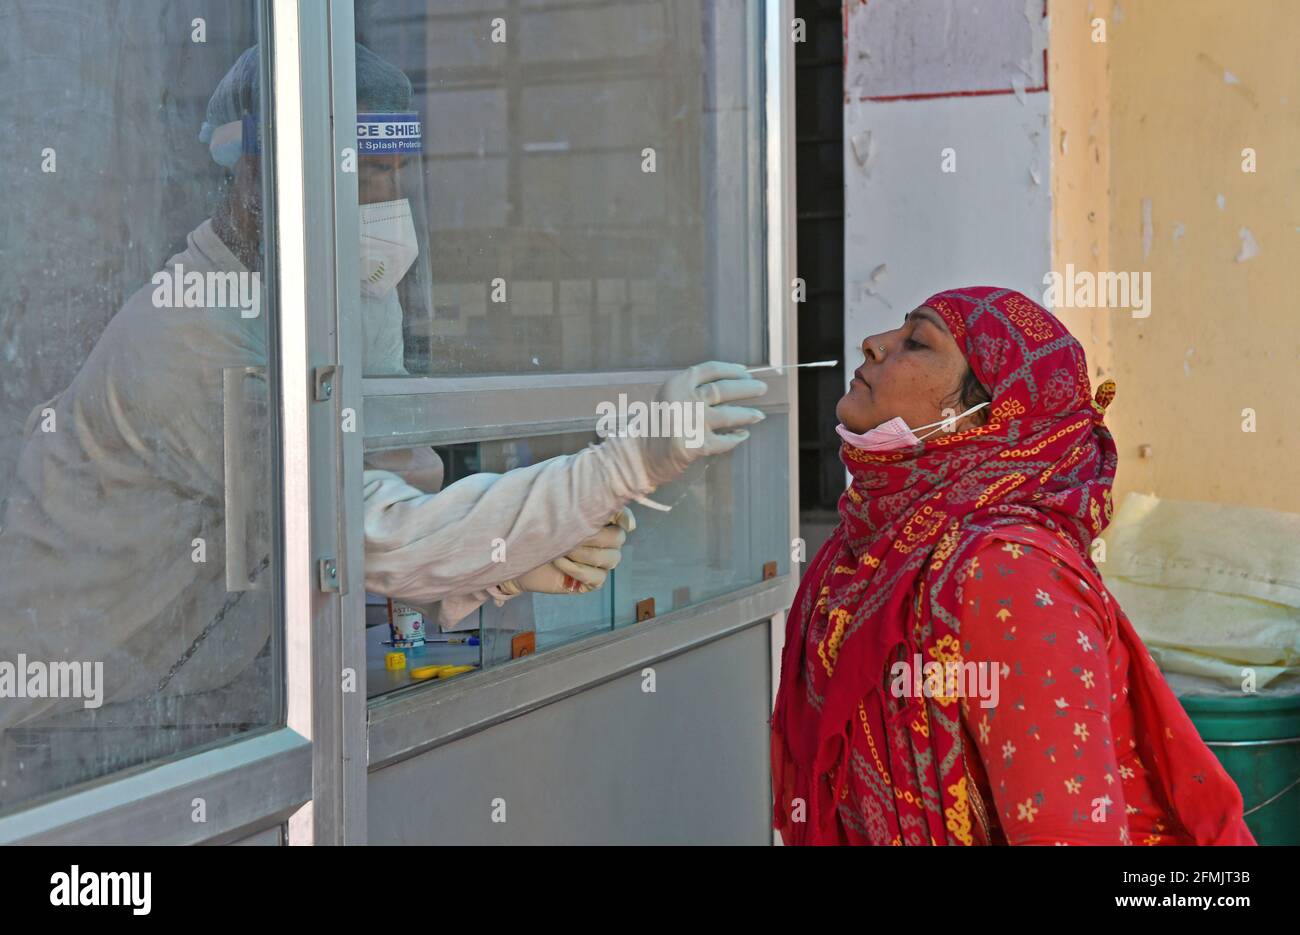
x,y
122,540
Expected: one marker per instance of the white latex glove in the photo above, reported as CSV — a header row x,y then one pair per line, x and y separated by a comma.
x,y
585,568
711,383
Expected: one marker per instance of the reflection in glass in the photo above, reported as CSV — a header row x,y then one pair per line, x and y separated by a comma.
x,y
591,182
138,555
727,520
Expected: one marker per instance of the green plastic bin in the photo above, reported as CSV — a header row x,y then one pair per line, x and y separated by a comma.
x,y
1257,738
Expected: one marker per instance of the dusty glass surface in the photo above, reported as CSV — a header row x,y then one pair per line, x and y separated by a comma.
x,y
587,194
138,548
727,519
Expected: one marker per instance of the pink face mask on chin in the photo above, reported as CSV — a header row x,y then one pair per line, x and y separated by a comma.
x,y
884,437
895,433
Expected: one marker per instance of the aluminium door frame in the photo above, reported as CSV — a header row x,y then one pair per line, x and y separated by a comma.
x,y
294,772
313,769
407,411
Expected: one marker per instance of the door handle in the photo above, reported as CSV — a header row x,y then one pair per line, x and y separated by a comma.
x,y
234,419
332,573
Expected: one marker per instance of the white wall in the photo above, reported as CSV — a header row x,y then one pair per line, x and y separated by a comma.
x,y
922,76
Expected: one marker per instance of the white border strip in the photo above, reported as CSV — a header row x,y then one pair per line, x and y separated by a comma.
x,y
291,252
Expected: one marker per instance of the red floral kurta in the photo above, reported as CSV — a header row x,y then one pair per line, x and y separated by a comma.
x,y
1054,759
1056,752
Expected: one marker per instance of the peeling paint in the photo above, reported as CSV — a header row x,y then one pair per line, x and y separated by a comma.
x,y
1035,13
1018,88
1229,79
1249,248
877,276
863,149
1180,230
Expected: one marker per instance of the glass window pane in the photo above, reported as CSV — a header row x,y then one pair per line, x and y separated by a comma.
x,y
585,189
138,548
497,629
727,520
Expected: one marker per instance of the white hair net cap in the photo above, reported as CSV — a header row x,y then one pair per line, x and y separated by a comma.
x,y
381,88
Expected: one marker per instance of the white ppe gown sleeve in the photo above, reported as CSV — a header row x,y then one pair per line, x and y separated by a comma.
x,y
488,528
423,469
456,607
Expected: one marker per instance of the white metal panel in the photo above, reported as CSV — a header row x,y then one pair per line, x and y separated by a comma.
x,y
904,48
782,254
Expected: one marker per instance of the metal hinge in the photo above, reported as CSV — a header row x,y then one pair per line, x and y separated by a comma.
x,y
323,380
327,573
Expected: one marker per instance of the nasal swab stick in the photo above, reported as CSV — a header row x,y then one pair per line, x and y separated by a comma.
x,y
819,363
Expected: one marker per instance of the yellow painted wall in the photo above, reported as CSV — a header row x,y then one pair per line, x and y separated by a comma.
x,y
1077,82
1223,335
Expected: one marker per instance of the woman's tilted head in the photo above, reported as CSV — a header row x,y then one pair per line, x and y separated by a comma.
x,y
916,371
962,347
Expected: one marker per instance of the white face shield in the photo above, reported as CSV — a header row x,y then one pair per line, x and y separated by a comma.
x,y
395,286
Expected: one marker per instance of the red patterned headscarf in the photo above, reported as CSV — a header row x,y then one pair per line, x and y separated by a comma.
x,y
884,586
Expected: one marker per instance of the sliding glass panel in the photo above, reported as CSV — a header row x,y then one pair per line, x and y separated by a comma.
x,y
139,557
726,528
461,631
571,185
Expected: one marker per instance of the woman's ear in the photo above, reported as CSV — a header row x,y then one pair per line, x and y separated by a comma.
x,y
970,393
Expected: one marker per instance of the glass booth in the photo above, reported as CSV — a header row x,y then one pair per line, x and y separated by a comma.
x,y
549,205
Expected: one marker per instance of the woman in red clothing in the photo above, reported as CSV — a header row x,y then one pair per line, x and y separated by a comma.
x,y
954,670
